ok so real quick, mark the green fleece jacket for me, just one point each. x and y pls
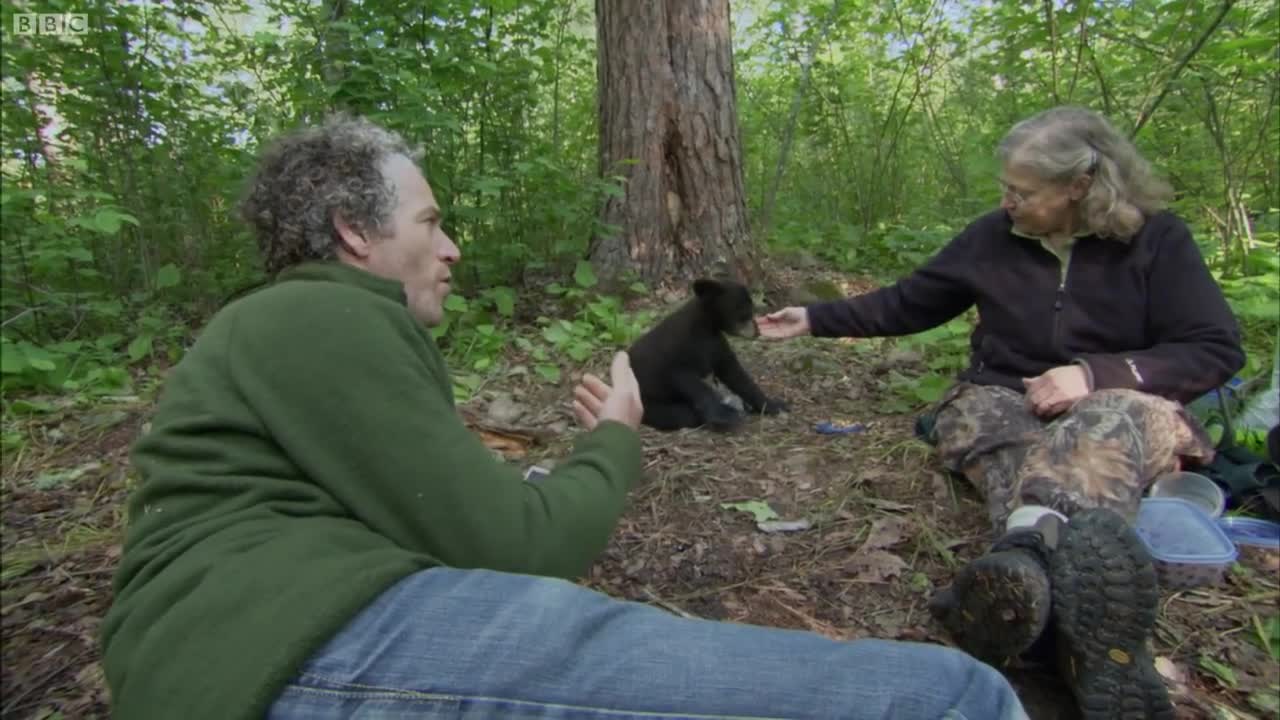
(304, 456)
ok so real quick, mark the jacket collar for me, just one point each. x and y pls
(1082, 233)
(340, 272)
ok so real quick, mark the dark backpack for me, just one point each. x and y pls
(1251, 481)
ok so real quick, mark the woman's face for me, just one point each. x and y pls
(1038, 206)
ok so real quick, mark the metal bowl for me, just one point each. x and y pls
(1194, 488)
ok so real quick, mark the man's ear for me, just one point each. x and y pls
(706, 288)
(350, 241)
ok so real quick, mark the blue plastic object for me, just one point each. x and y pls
(1251, 531)
(830, 428)
(1175, 530)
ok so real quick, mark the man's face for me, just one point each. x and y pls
(417, 252)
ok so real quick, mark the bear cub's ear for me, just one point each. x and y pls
(707, 288)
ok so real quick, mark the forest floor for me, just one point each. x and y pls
(886, 527)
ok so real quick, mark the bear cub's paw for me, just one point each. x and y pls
(723, 418)
(773, 407)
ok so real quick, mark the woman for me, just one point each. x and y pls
(1097, 319)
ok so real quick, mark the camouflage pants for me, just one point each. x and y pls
(1102, 452)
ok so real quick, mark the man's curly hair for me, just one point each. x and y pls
(306, 177)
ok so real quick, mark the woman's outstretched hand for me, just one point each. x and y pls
(786, 323)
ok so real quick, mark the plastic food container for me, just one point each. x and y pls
(1251, 531)
(1193, 488)
(1188, 547)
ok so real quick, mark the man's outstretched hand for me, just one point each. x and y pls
(786, 323)
(1056, 390)
(594, 401)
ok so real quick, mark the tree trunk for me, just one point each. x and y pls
(669, 126)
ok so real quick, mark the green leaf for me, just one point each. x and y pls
(550, 373)
(80, 254)
(108, 221)
(584, 275)
(1224, 673)
(37, 357)
(31, 407)
(894, 405)
(579, 351)
(920, 583)
(168, 276)
(1268, 701)
(759, 509)
(60, 478)
(12, 360)
(504, 299)
(109, 308)
(140, 347)
(931, 387)
(455, 303)
(1268, 635)
(556, 334)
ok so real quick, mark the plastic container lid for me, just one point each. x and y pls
(1177, 531)
(1251, 531)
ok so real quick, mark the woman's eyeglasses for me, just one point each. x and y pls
(1018, 197)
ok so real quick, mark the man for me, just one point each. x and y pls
(317, 535)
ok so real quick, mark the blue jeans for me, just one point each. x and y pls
(445, 643)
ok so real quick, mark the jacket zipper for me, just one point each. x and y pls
(1058, 299)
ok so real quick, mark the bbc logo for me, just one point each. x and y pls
(50, 23)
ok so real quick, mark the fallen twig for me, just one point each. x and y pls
(649, 593)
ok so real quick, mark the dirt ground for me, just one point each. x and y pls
(885, 528)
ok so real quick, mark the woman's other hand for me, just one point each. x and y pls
(785, 323)
(1055, 391)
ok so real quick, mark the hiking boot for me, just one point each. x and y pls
(1105, 600)
(998, 605)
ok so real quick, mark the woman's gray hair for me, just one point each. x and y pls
(1063, 143)
(306, 177)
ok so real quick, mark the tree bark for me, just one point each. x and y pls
(669, 127)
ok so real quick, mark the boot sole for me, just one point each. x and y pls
(1002, 606)
(1105, 602)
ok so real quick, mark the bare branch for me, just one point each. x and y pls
(1145, 114)
(1132, 41)
(1102, 82)
(806, 67)
(1080, 48)
(1051, 21)
(20, 315)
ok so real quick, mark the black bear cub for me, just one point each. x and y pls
(673, 358)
